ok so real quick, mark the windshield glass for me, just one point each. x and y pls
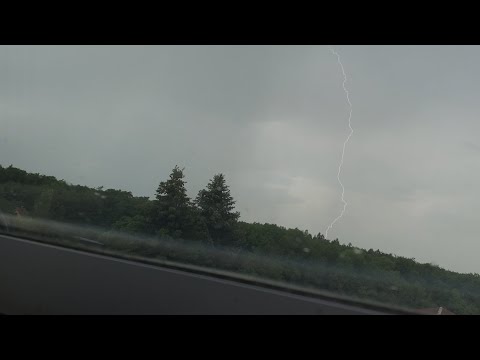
(350, 170)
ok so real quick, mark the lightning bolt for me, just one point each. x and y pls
(344, 144)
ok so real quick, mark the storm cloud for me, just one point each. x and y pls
(272, 119)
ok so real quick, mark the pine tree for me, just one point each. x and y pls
(175, 215)
(217, 209)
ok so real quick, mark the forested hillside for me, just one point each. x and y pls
(209, 221)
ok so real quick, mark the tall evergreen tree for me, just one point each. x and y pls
(217, 209)
(175, 214)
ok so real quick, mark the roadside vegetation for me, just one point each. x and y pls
(207, 232)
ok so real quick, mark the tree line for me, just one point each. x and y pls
(210, 219)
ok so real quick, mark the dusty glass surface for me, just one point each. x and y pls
(345, 169)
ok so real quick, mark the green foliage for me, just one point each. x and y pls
(46, 197)
(131, 224)
(174, 213)
(216, 207)
(172, 221)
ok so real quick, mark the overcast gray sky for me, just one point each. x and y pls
(272, 119)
